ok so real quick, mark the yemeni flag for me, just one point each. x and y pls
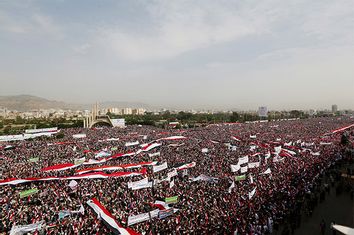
(342, 129)
(119, 167)
(286, 153)
(236, 138)
(160, 204)
(183, 166)
(108, 219)
(150, 146)
(59, 167)
(178, 137)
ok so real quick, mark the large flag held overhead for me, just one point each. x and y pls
(160, 204)
(95, 175)
(119, 167)
(59, 167)
(108, 219)
(150, 146)
(342, 129)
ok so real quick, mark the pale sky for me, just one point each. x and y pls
(185, 54)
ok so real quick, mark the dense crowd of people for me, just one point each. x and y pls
(291, 156)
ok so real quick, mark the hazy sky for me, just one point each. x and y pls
(209, 54)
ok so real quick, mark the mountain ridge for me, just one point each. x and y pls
(30, 102)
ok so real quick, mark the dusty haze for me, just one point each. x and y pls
(183, 54)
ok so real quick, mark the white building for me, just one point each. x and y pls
(127, 111)
(334, 108)
(139, 111)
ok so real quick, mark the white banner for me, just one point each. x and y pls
(78, 136)
(136, 183)
(154, 154)
(22, 229)
(128, 144)
(172, 183)
(118, 122)
(154, 213)
(235, 168)
(251, 194)
(134, 219)
(172, 174)
(141, 186)
(244, 169)
(253, 164)
(243, 160)
(159, 167)
(33, 131)
(277, 149)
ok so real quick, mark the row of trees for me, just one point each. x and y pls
(193, 119)
(19, 125)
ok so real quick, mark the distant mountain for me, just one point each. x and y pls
(29, 102)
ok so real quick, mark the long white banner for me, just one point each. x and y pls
(134, 219)
(159, 167)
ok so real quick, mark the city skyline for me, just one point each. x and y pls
(186, 55)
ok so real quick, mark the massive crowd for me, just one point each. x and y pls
(257, 204)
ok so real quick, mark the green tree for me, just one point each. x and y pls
(234, 117)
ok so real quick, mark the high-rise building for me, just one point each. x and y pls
(334, 108)
(115, 111)
(127, 111)
(139, 111)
